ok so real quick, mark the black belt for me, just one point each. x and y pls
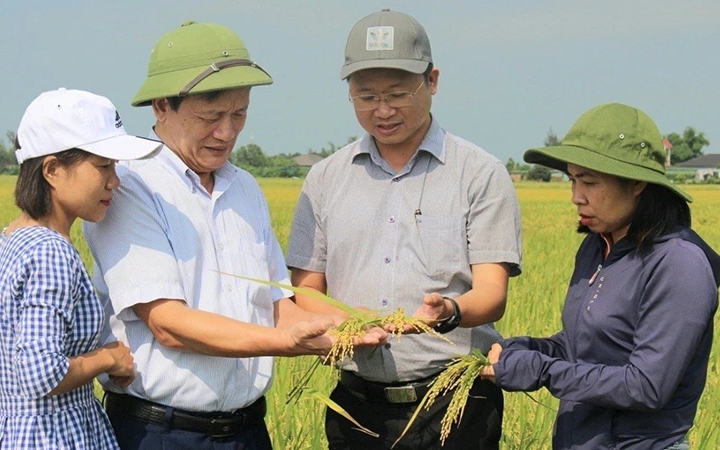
(212, 424)
(407, 392)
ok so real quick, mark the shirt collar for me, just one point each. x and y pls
(432, 143)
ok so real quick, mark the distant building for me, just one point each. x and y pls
(668, 152)
(705, 166)
(307, 160)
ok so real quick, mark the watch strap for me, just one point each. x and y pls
(452, 322)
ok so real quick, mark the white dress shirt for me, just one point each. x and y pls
(165, 236)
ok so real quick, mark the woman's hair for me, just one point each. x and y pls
(658, 211)
(32, 191)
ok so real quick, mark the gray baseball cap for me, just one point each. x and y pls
(387, 39)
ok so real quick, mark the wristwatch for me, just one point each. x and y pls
(452, 322)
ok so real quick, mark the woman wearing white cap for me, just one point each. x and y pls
(50, 318)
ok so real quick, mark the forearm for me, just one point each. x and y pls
(481, 305)
(288, 313)
(553, 346)
(82, 369)
(485, 301)
(176, 326)
(314, 281)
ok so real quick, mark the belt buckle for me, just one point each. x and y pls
(400, 394)
(223, 427)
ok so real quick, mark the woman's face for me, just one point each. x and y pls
(605, 203)
(84, 190)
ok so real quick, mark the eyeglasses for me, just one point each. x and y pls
(398, 99)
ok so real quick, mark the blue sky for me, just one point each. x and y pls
(509, 70)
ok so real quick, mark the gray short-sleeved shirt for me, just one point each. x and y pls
(385, 239)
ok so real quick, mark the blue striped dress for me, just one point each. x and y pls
(48, 313)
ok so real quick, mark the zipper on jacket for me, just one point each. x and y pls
(592, 278)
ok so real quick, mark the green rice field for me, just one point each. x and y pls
(534, 304)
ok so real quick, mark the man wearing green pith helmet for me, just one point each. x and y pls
(202, 341)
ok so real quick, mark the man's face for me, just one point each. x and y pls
(201, 132)
(398, 128)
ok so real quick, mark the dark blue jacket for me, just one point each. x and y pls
(631, 361)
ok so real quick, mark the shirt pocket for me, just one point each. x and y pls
(443, 246)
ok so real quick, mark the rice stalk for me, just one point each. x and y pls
(458, 377)
(345, 333)
(357, 322)
(340, 410)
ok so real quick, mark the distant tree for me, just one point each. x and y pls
(8, 162)
(281, 166)
(510, 165)
(325, 152)
(250, 155)
(251, 158)
(552, 139)
(513, 166)
(11, 137)
(539, 173)
(689, 145)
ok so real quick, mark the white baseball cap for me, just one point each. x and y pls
(66, 118)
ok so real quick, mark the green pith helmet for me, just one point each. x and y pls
(614, 139)
(195, 58)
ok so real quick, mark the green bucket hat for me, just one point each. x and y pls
(195, 58)
(614, 139)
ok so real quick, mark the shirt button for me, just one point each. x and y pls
(391, 219)
(387, 260)
(221, 247)
(229, 288)
(384, 302)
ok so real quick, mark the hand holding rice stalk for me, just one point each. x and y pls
(354, 326)
(458, 378)
(357, 322)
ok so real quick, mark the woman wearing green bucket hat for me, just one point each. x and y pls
(630, 363)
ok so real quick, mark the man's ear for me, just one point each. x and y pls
(160, 107)
(433, 80)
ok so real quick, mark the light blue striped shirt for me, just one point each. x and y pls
(166, 237)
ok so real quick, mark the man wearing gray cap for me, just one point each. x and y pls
(413, 217)
(202, 340)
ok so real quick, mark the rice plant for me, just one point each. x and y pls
(346, 334)
(457, 379)
(549, 245)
